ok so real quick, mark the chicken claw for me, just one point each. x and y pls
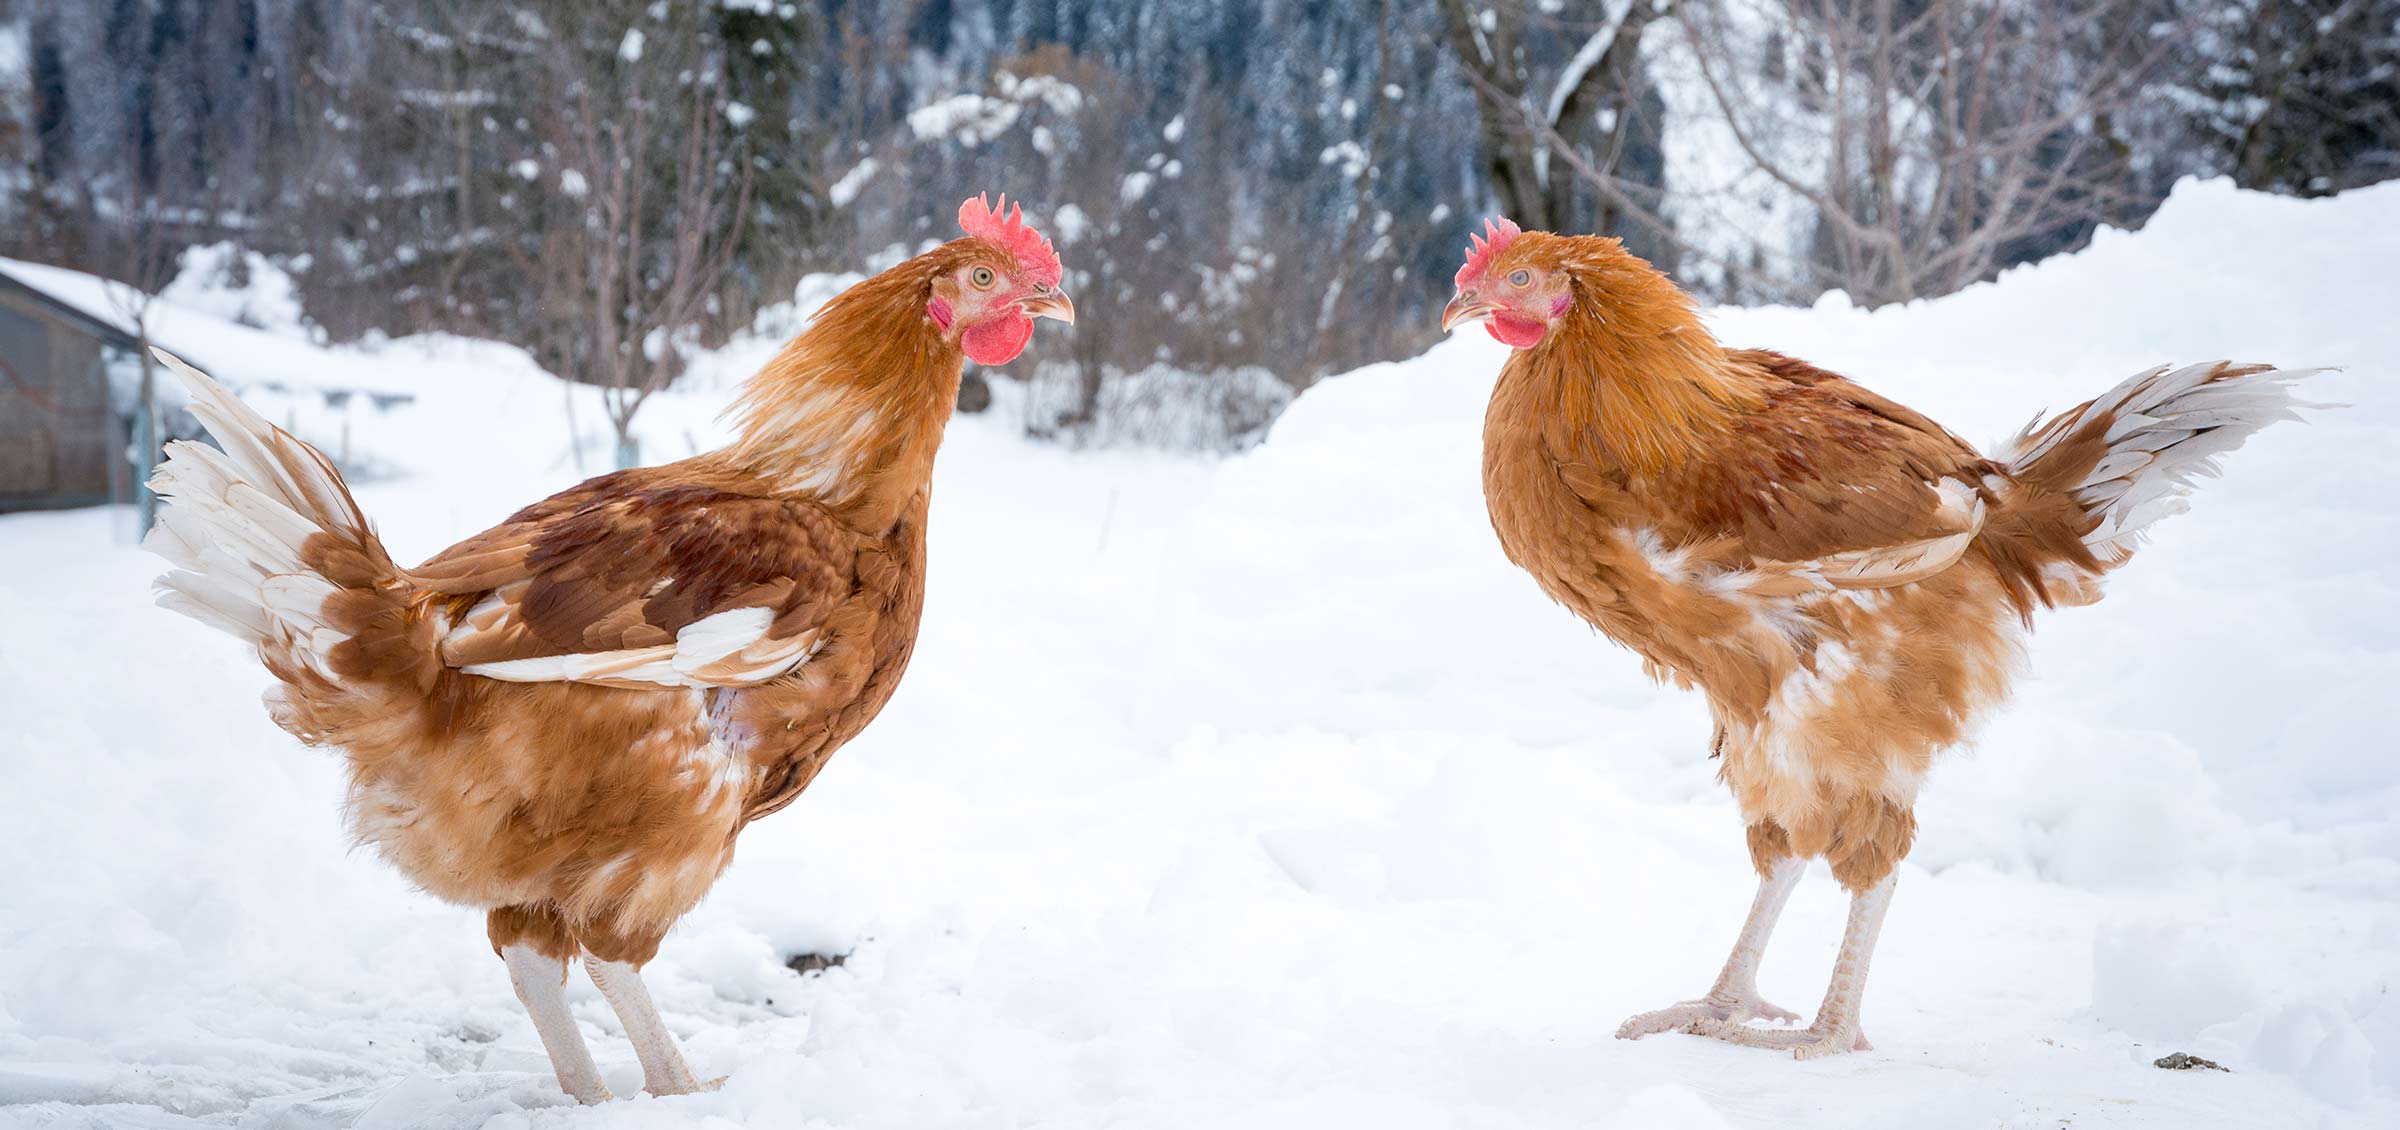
(1805, 1043)
(1711, 1009)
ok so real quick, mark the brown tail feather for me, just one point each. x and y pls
(2090, 481)
(270, 546)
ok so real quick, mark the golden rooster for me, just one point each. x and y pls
(1846, 582)
(568, 718)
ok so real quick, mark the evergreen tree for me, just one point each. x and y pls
(2300, 96)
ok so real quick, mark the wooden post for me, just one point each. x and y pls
(145, 434)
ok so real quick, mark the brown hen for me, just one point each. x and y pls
(568, 719)
(1848, 584)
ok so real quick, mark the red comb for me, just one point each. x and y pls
(1485, 248)
(1034, 256)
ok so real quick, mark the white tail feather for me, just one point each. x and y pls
(2166, 430)
(237, 522)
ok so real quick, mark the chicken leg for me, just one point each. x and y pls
(1836, 1028)
(1735, 997)
(663, 1070)
(541, 983)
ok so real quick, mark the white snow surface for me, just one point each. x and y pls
(1263, 792)
(267, 298)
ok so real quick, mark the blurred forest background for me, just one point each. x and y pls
(1249, 195)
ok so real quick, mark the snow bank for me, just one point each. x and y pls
(1161, 408)
(243, 287)
(1265, 793)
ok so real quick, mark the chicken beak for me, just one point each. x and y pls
(1465, 308)
(1055, 304)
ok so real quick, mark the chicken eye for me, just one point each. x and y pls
(983, 276)
(1519, 277)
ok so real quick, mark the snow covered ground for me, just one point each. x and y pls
(1263, 793)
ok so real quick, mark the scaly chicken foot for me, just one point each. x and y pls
(541, 984)
(664, 1071)
(1804, 1043)
(1735, 996)
(1836, 1028)
(1688, 1016)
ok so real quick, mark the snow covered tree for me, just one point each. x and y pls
(1233, 188)
(1934, 142)
(16, 97)
(124, 96)
(611, 184)
(1570, 129)
(2300, 96)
